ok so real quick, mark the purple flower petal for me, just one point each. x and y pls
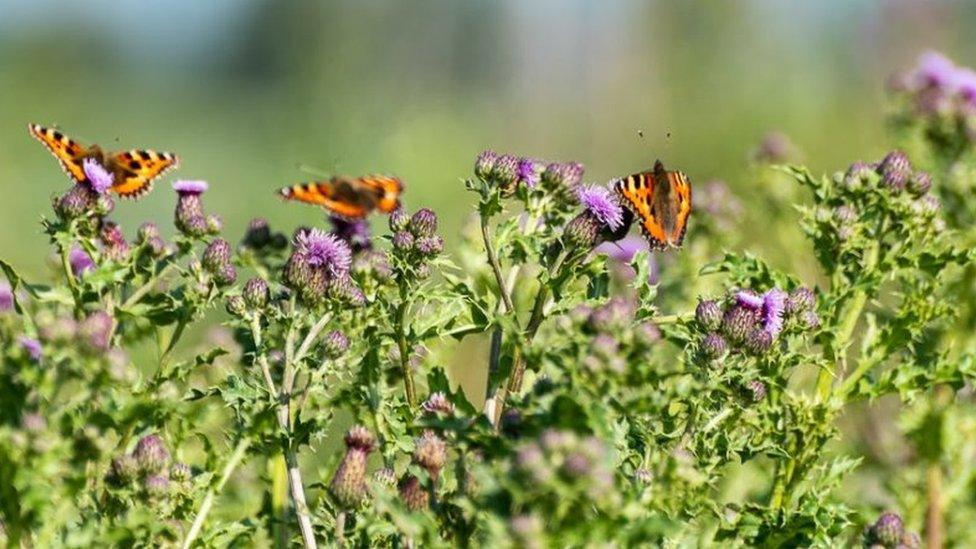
(32, 346)
(600, 202)
(80, 261)
(6, 296)
(934, 70)
(97, 175)
(190, 186)
(624, 250)
(749, 300)
(324, 250)
(965, 85)
(774, 302)
(529, 172)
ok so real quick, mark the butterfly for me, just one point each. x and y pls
(133, 171)
(349, 197)
(661, 200)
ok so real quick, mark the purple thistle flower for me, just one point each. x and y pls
(934, 70)
(529, 172)
(32, 346)
(749, 300)
(355, 233)
(964, 84)
(99, 178)
(624, 250)
(324, 250)
(600, 203)
(80, 261)
(6, 296)
(774, 302)
(190, 186)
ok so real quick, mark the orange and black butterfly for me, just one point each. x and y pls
(661, 201)
(133, 171)
(349, 197)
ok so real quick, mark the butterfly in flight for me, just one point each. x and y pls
(133, 172)
(661, 201)
(349, 197)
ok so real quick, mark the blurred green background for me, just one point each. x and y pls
(246, 91)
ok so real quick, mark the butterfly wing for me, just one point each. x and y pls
(68, 151)
(136, 170)
(637, 192)
(386, 188)
(681, 195)
(341, 196)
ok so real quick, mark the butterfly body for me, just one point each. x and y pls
(133, 171)
(349, 197)
(661, 201)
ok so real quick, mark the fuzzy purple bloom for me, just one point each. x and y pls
(624, 250)
(600, 202)
(324, 250)
(964, 84)
(99, 178)
(749, 300)
(32, 346)
(529, 172)
(190, 186)
(355, 233)
(774, 302)
(80, 261)
(934, 70)
(6, 296)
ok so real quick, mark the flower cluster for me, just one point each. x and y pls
(415, 241)
(940, 92)
(510, 172)
(148, 469)
(318, 269)
(603, 219)
(750, 323)
(562, 460)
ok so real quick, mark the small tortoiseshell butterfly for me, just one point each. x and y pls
(133, 171)
(661, 200)
(349, 197)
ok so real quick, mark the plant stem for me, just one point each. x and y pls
(298, 498)
(148, 286)
(496, 267)
(279, 499)
(340, 529)
(399, 325)
(235, 459)
(310, 337)
(933, 511)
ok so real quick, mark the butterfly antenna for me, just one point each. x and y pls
(312, 170)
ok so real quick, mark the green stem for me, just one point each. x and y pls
(496, 267)
(235, 459)
(399, 321)
(148, 286)
(279, 499)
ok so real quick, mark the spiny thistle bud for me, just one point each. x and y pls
(737, 323)
(216, 255)
(181, 472)
(255, 293)
(399, 220)
(713, 346)
(437, 403)
(756, 390)
(505, 170)
(226, 276)
(484, 164)
(336, 343)
(214, 224)
(888, 529)
(403, 241)
(708, 313)
(78, 200)
(96, 332)
(801, 299)
(430, 452)
(565, 175)
(919, 183)
(759, 341)
(845, 214)
(147, 231)
(258, 233)
(156, 486)
(413, 493)
(344, 289)
(582, 231)
(115, 245)
(611, 317)
(810, 320)
(236, 305)
(430, 245)
(385, 476)
(858, 175)
(151, 454)
(348, 485)
(123, 470)
(423, 223)
(895, 170)
(930, 205)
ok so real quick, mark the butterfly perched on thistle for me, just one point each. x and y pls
(349, 197)
(129, 174)
(661, 201)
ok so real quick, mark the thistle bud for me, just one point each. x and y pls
(756, 390)
(216, 255)
(413, 493)
(214, 224)
(919, 183)
(403, 241)
(147, 231)
(484, 164)
(430, 245)
(236, 305)
(430, 452)
(181, 472)
(123, 470)
(151, 454)
(888, 529)
(255, 293)
(348, 486)
(737, 323)
(95, 332)
(709, 315)
(78, 200)
(858, 175)
(505, 171)
(399, 220)
(582, 231)
(423, 223)
(713, 346)
(258, 233)
(385, 476)
(156, 486)
(759, 341)
(895, 170)
(566, 175)
(336, 343)
(437, 403)
(226, 276)
(800, 299)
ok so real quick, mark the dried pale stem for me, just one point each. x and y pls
(934, 527)
(235, 459)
